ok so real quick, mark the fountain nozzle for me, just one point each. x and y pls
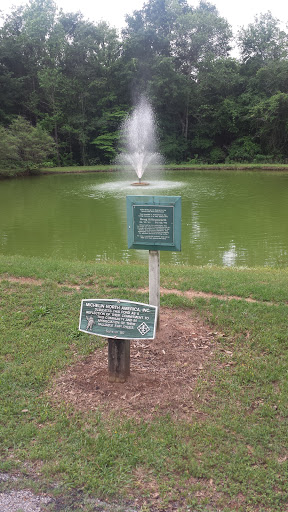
(140, 183)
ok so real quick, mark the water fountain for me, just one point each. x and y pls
(139, 141)
(138, 155)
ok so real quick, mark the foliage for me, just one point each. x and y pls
(23, 147)
(77, 80)
(243, 150)
(106, 144)
(263, 40)
(270, 118)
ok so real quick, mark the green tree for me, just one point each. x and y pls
(269, 119)
(201, 36)
(262, 41)
(107, 141)
(23, 50)
(23, 147)
(169, 43)
(148, 38)
(218, 112)
(9, 158)
(243, 149)
(34, 145)
(270, 79)
(62, 71)
(169, 91)
(89, 64)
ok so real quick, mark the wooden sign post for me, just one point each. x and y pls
(154, 224)
(118, 360)
(119, 321)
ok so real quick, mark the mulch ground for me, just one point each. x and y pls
(163, 372)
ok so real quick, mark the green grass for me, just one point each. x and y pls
(79, 168)
(183, 166)
(234, 458)
(231, 166)
(265, 284)
(14, 173)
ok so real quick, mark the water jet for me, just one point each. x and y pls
(139, 141)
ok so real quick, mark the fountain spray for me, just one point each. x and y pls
(139, 137)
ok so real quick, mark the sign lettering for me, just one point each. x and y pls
(153, 223)
(117, 319)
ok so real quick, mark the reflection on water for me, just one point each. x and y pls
(228, 218)
(229, 257)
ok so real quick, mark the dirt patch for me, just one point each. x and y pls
(192, 294)
(163, 372)
(22, 280)
(37, 282)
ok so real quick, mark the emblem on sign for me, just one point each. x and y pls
(143, 328)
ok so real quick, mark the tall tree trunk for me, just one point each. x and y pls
(83, 138)
(56, 142)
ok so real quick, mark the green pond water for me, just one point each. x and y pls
(228, 218)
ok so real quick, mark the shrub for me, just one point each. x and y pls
(23, 147)
(243, 150)
(217, 156)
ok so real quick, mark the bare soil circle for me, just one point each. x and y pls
(163, 372)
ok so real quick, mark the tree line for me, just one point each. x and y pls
(67, 84)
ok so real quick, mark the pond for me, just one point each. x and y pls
(229, 218)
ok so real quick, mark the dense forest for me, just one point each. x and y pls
(66, 84)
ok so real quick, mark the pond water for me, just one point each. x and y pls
(228, 218)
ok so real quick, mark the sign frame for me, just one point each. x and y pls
(144, 212)
(142, 326)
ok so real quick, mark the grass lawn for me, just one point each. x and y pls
(232, 456)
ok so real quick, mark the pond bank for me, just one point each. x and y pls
(108, 168)
(4, 174)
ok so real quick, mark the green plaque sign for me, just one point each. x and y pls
(154, 222)
(118, 319)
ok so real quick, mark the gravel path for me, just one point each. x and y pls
(22, 501)
(26, 501)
